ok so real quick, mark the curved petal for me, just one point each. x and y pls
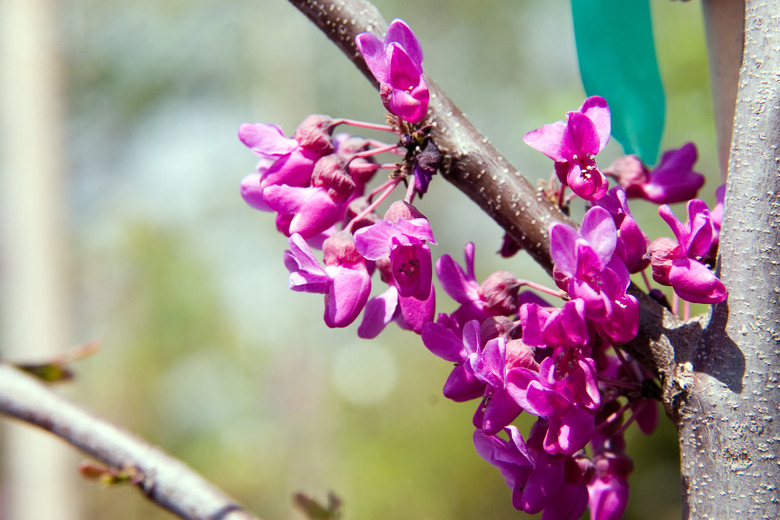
(380, 311)
(399, 32)
(266, 140)
(347, 297)
(694, 282)
(549, 140)
(597, 110)
(373, 51)
(598, 228)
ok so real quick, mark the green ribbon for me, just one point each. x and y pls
(617, 60)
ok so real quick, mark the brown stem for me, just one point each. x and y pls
(166, 481)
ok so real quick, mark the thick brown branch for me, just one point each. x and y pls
(165, 481)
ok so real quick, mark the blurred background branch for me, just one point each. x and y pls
(164, 480)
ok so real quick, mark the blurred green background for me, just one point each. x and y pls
(205, 351)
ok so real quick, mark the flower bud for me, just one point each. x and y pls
(314, 134)
(330, 172)
(500, 293)
(401, 210)
(339, 249)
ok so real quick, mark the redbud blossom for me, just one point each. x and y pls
(396, 63)
(574, 143)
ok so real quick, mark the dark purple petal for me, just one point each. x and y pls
(569, 433)
(544, 484)
(380, 311)
(455, 282)
(545, 402)
(462, 385)
(412, 270)
(501, 410)
(608, 497)
(444, 343)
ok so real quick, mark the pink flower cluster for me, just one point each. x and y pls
(316, 182)
(513, 350)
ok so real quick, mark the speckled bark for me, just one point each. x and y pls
(729, 421)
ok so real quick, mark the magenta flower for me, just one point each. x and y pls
(673, 180)
(574, 143)
(345, 280)
(608, 491)
(567, 400)
(292, 163)
(632, 243)
(401, 241)
(586, 268)
(396, 63)
(492, 365)
(462, 384)
(552, 327)
(539, 480)
(679, 264)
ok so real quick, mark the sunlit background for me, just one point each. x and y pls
(205, 352)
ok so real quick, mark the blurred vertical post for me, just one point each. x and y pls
(725, 25)
(38, 470)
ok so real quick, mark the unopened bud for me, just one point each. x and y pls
(339, 249)
(330, 172)
(500, 293)
(314, 133)
(401, 210)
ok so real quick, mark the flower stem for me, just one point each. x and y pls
(363, 124)
(371, 207)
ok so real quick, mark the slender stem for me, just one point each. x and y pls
(364, 124)
(167, 482)
(376, 151)
(540, 288)
(371, 207)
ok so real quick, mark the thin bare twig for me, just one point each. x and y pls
(164, 480)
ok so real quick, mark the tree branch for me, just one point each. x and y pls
(489, 179)
(164, 480)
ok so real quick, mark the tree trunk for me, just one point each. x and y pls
(728, 416)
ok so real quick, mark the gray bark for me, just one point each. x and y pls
(728, 421)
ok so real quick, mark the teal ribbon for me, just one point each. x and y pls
(616, 53)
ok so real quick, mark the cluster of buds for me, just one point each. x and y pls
(513, 350)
